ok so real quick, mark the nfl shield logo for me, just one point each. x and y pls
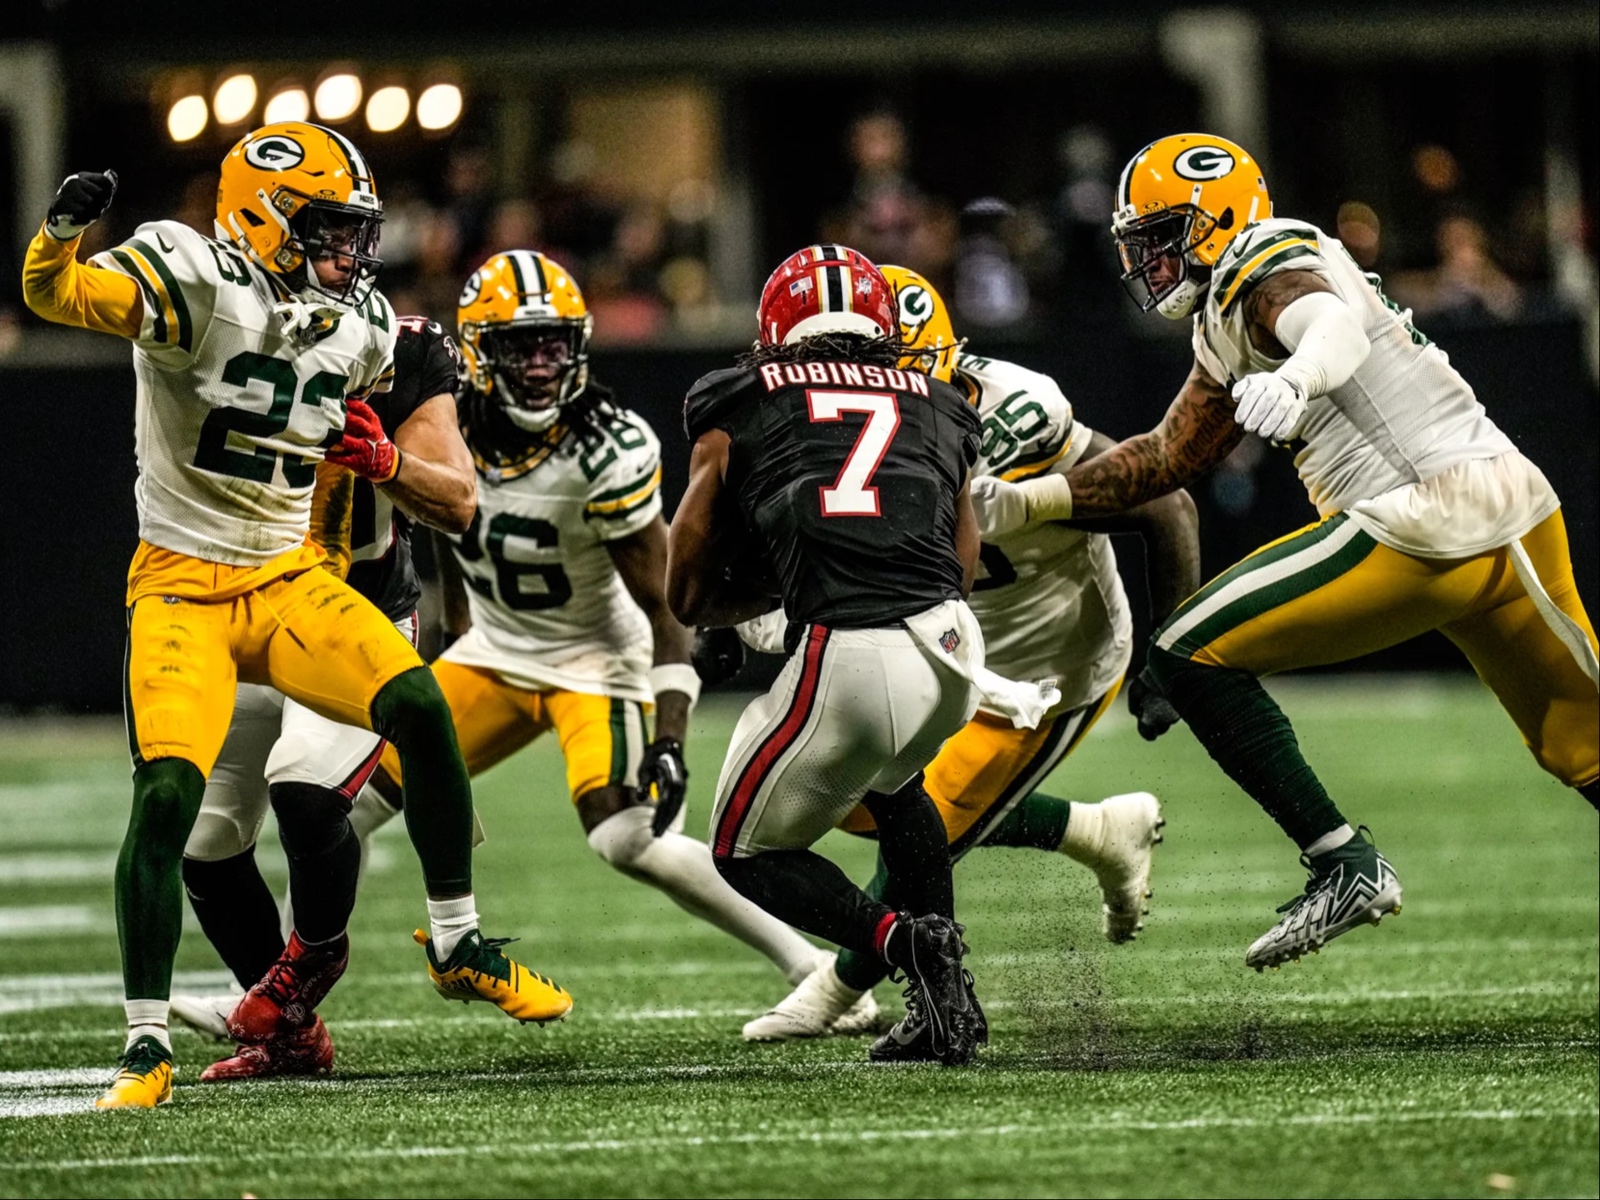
(949, 641)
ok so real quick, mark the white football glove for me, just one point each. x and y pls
(1000, 507)
(1270, 405)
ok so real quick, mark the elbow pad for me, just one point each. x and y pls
(1328, 343)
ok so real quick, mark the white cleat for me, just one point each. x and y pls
(1130, 830)
(816, 1007)
(207, 1014)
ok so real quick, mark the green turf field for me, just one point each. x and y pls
(1451, 1051)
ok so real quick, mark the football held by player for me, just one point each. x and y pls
(247, 350)
(820, 456)
(1430, 517)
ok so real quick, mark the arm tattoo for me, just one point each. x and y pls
(1266, 302)
(1197, 433)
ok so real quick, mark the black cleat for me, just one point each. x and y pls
(943, 1022)
(911, 1038)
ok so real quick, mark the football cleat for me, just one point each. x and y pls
(287, 996)
(1353, 885)
(911, 1038)
(477, 970)
(820, 1006)
(943, 1022)
(306, 1051)
(1130, 831)
(143, 1078)
(207, 1014)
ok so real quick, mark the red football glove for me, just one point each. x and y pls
(365, 448)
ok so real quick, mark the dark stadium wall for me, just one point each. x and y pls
(67, 521)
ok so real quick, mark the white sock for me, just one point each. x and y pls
(1084, 829)
(682, 868)
(147, 1018)
(1330, 841)
(828, 979)
(449, 921)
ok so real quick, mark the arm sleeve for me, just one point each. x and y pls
(625, 494)
(61, 289)
(1327, 341)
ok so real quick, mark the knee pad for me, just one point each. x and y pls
(623, 837)
(410, 707)
(310, 818)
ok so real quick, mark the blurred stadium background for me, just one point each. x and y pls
(671, 156)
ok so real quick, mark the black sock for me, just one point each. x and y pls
(149, 881)
(1250, 738)
(236, 912)
(1039, 822)
(1591, 792)
(412, 714)
(324, 857)
(812, 894)
(863, 972)
(914, 849)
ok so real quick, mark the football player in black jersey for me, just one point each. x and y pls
(307, 768)
(818, 455)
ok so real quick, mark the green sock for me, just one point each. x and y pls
(412, 714)
(863, 972)
(149, 882)
(1039, 822)
(1245, 731)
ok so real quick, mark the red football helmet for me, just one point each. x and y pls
(826, 289)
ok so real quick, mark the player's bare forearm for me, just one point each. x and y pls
(1169, 526)
(1197, 433)
(641, 560)
(699, 591)
(435, 484)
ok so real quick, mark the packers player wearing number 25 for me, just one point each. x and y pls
(564, 568)
(250, 351)
(1431, 519)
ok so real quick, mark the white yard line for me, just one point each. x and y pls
(47, 920)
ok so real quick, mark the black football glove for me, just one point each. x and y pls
(81, 201)
(1154, 711)
(718, 655)
(662, 768)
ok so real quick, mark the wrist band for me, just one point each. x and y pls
(675, 677)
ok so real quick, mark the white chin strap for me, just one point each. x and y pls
(530, 420)
(1179, 302)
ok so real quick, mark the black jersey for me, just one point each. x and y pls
(425, 366)
(847, 476)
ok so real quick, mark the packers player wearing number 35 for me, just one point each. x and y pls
(1431, 519)
(250, 351)
(564, 568)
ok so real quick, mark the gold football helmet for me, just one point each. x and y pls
(1180, 202)
(294, 192)
(925, 328)
(524, 331)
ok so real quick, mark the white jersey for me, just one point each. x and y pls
(232, 415)
(549, 609)
(1048, 598)
(1405, 417)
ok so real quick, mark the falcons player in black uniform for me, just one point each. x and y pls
(819, 456)
(308, 769)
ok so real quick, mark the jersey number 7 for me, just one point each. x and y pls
(852, 493)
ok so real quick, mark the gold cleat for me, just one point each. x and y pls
(478, 970)
(143, 1080)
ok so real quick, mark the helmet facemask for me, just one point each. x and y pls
(1159, 268)
(536, 368)
(343, 234)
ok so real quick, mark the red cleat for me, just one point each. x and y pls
(287, 997)
(307, 1051)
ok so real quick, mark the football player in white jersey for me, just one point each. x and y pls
(564, 568)
(253, 354)
(1051, 604)
(1430, 517)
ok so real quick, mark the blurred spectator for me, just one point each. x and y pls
(624, 289)
(1083, 211)
(1361, 232)
(879, 151)
(990, 289)
(514, 225)
(1466, 283)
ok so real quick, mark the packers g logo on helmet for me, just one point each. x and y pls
(275, 153)
(925, 329)
(1180, 202)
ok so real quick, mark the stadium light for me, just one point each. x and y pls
(439, 107)
(338, 96)
(387, 109)
(290, 104)
(187, 118)
(234, 100)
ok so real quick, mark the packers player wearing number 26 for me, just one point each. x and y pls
(1431, 519)
(564, 567)
(249, 352)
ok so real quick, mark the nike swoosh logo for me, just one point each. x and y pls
(162, 242)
